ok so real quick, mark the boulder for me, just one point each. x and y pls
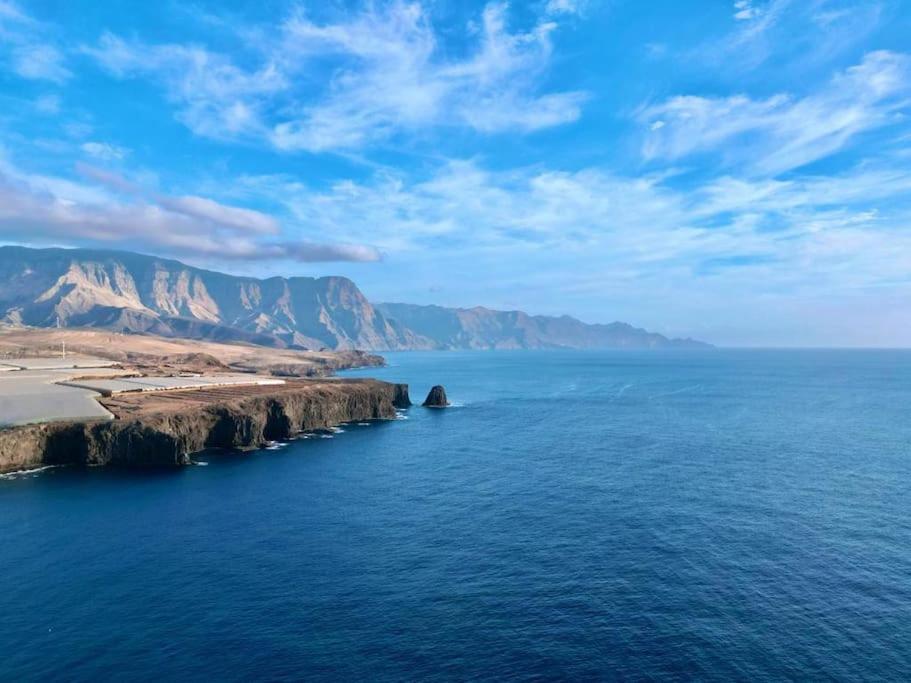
(436, 398)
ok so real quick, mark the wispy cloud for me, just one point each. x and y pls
(760, 17)
(207, 210)
(116, 212)
(780, 133)
(785, 175)
(801, 234)
(216, 98)
(48, 104)
(744, 10)
(629, 245)
(104, 150)
(30, 46)
(806, 32)
(13, 20)
(40, 62)
(557, 7)
(388, 75)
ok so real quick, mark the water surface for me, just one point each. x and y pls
(713, 515)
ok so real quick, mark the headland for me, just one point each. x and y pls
(157, 407)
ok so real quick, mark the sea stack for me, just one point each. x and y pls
(436, 398)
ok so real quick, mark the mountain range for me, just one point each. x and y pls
(135, 293)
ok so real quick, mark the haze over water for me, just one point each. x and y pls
(715, 515)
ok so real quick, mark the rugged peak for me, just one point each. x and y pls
(137, 293)
(81, 287)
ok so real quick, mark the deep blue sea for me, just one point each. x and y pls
(719, 515)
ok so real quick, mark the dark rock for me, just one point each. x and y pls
(401, 398)
(169, 438)
(436, 398)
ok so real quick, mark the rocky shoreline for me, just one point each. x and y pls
(169, 431)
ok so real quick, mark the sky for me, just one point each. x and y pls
(738, 172)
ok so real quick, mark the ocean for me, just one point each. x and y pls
(701, 515)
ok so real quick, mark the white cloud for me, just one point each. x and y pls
(656, 51)
(40, 62)
(243, 220)
(781, 132)
(761, 234)
(395, 80)
(216, 98)
(797, 33)
(563, 6)
(109, 179)
(78, 129)
(601, 244)
(30, 46)
(104, 151)
(745, 10)
(385, 72)
(9, 10)
(48, 104)
(12, 20)
(38, 208)
(758, 20)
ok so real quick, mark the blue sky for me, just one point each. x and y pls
(734, 171)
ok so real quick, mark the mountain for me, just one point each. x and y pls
(130, 292)
(483, 328)
(136, 293)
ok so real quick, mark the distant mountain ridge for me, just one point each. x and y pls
(130, 292)
(484, 328)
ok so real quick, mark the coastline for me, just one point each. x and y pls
(165, 430)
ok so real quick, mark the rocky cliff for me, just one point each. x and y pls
(129, 292)
(168, 437)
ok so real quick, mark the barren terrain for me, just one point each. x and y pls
(151, 353)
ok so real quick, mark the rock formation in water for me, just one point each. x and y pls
(170, 437)
(436, 398)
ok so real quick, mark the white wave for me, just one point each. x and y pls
(25, 473)
(327, 436)
(677, 391)
(623, 390)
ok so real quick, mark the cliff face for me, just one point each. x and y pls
(483, 328)
(136, 293)
(129, 292)
(168, 438)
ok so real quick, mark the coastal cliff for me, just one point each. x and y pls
(124, 292)
(168, 432)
